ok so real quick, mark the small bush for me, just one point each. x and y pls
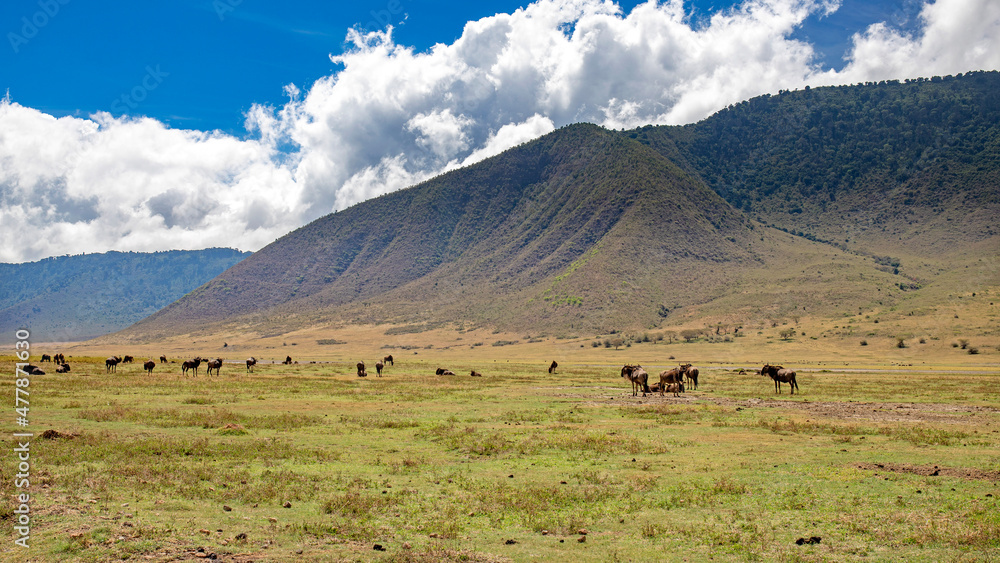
(973, 350)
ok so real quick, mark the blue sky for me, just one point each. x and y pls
(218, 57)
(189, 124)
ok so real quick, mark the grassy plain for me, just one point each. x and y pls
(517, 465)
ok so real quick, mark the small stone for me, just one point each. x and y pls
(545, 532)
(406, 545)
(510, 542)
(582, 539)
(434, 535)
(204, 531)
(227, 508)
(272, 519)
(582, 532)
(378, 547)
(287, 504)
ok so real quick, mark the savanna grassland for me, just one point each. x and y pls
(886, 454)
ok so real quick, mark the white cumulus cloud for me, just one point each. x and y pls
(391, 116)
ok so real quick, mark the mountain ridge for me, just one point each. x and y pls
(588, 228)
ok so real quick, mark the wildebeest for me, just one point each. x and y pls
(691, 373)
(36, 371)
(668, 376)
(191, 365)
(388, 360)
(442, 371)
(780, 375)
(163, 359)
(361, 370)
(552, 368)
(674, 388)
(251, 362)
(288, 360)
(45, 358)
(475, 374)
(111, 364)
(59, 358)
(148, 366)
(215, 364)
(378, 368)
(638, 377)
(127, 360)
(63, 368)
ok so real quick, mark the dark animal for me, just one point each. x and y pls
(163, 359)
(215, 364)
(36, 371)
(780, 375)
(29, 368)
(442, 371)
(378, 368)
(111, 364)
(59, 358)
(669, 376)
(148, 366)
(638, 377)
(388, 360)
(552, 368)
(63, 368)
(288, 360)
(251, 362)
(192, 365)
(128, 360)
(361, 370)
(691, 373)
(45, 358)
(475, 374)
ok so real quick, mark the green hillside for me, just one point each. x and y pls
(78, 297)
(891, 167)
(824, 202)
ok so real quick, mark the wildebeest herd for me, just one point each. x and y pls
(674, 380)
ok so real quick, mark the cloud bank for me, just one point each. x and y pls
(391, 117)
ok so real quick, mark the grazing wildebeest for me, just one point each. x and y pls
(669, 376)
(378, 368)
(148, 366)
(251, 362)
(63, 368)
(552, 368)
(475, 374)
(638, 377)
(215, 364)
(691, 373)
(288, 360)
(388, 360)
(361, 370)
(163, 359)
(111, 364)
(128, 360)
(45, 358)
(59, 358)
(780, 375)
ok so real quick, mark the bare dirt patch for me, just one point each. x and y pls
(932, 471)
(872, 412)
